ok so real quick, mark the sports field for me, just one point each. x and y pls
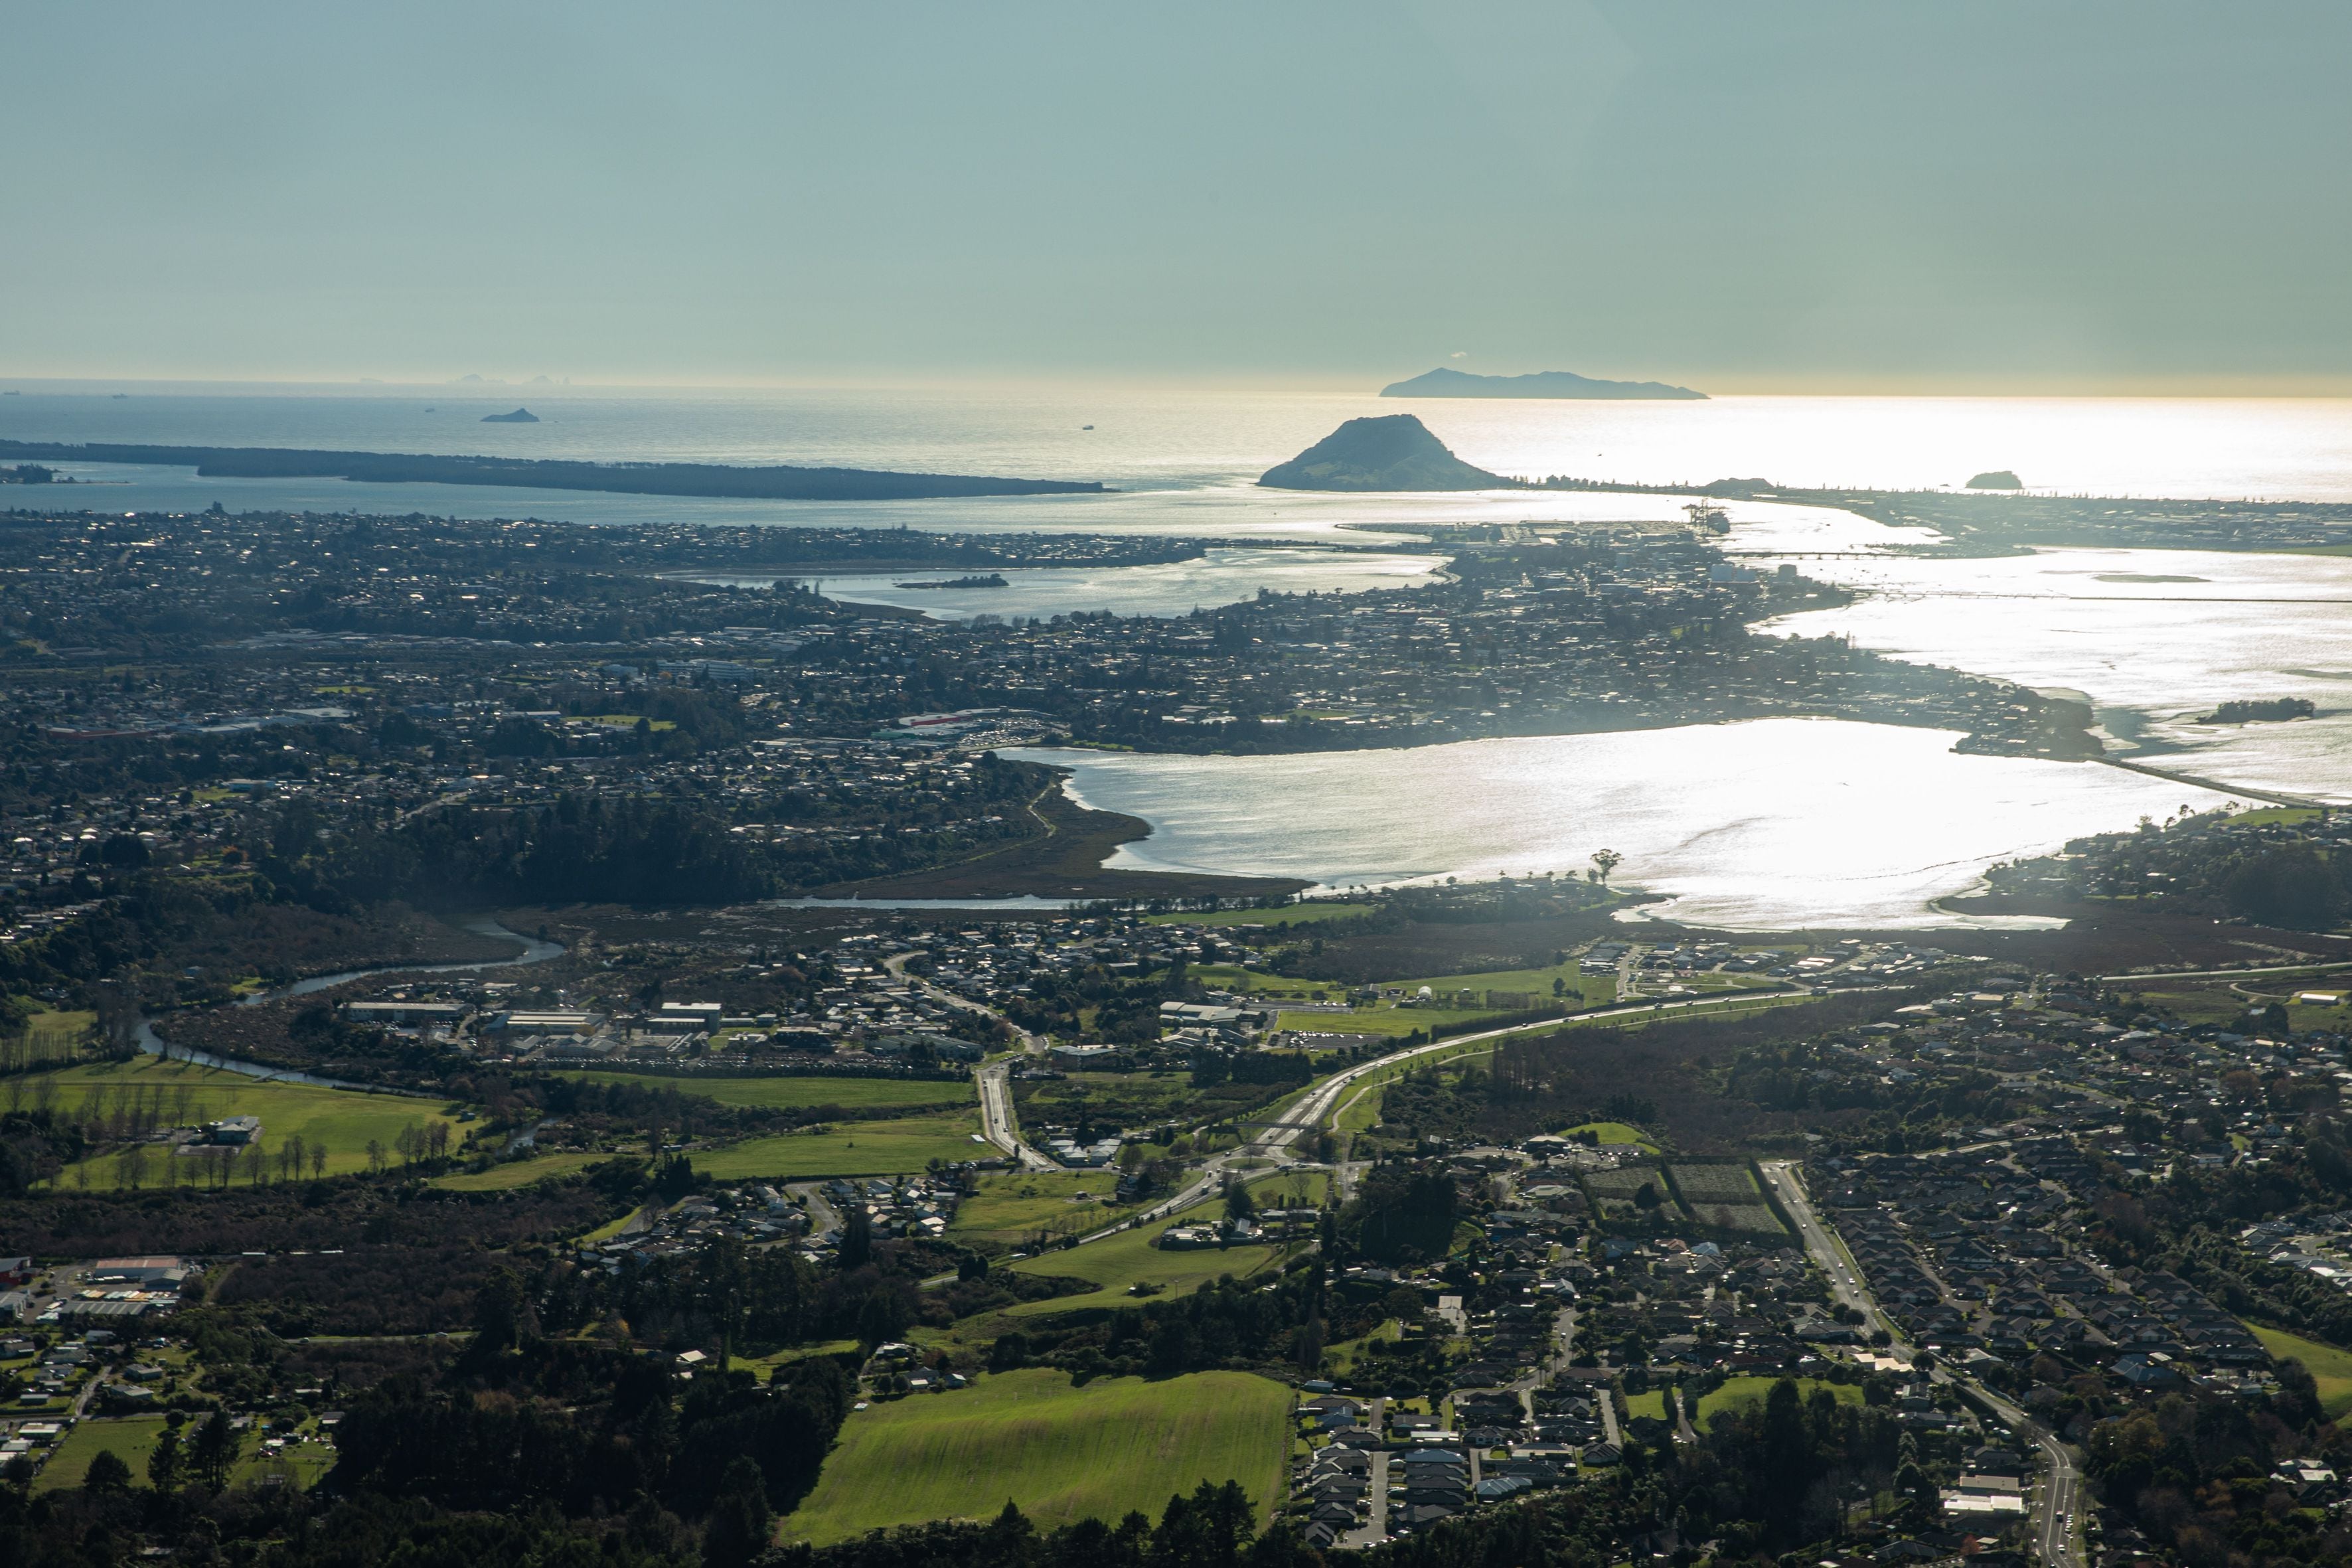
(798, 1092)
(892, 1148)
(1061, 1453)
(178, 1095)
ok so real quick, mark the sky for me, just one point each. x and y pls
(2104, 195)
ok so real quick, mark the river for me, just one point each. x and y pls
(534, 951)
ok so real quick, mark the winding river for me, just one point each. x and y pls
(534, 951)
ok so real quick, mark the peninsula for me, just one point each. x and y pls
(1554, 384)
(1383, 452)
(767, 483)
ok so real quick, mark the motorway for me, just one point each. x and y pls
(2058, 1500)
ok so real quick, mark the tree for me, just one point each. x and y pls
(1605, 863)
(166, 1463)
(856, 1238)
(738, 1529)
(106, 1472)
(215, 1449)
(1239, 1205)
(375, 1156)
(318, 1159)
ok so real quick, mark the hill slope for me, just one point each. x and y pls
(1386, 452)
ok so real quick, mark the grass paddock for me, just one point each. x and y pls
(1061, 1453)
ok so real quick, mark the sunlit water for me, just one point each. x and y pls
(1779, 824)
(2155, 638)
(1218, 577)
(1754, 825)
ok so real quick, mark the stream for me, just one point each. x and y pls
(534, 951)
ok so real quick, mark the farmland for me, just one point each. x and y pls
(1725, 1195)
(176, 1094)
(799, 1091)
(888, 1148)
(1061, 1453)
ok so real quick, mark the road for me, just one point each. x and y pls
(822, 1217)
(996, 1119)
(1845, 1279)
(897, 964)
(2059, 1494)
(2226, 974)
(1278, 1138)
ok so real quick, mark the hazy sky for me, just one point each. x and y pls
(1802, 195)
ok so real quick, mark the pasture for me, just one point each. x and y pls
(153, 1093)
(798, 1091)
(1061, 1453)
(890, 1147)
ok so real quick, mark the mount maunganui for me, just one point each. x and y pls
(1441, 383)
(1385, 452)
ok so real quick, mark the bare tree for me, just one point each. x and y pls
(375, 1156)
(318, 1159)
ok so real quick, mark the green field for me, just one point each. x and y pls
(850, 1149)
(1611, 1132)
(1290, 1190)
(1118, 1262)
(1397, 1021)
(1016, 1204)
(795, 1092)
(1061, 1453)
(1583, 990)
(513, 1174)
(1739, 1391)
(2330, 1368)
(183, 1095)
(132, 1438)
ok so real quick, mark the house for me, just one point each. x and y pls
(233, 1130)
(15, 1270)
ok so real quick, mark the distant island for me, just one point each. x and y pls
(983, 580)
(1441, 383)
(623, 478)
(2272, 710)
(1383, 452)
(519, 416)
(1998, 479)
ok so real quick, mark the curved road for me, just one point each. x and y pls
(1276, 1139)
